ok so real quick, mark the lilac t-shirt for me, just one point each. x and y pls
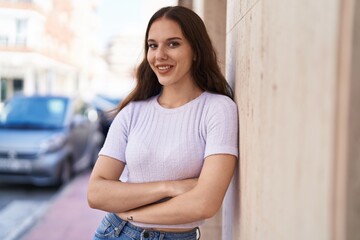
(159, 144)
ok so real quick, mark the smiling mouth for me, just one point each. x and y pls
(164, 68)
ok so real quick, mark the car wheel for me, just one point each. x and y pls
(66, 172)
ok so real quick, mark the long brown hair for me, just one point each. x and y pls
(205, 69)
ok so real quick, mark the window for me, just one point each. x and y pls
(18, 85)
(4, 40)
(3, 90)
(21, 32)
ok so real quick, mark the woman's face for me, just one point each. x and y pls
(170, 54)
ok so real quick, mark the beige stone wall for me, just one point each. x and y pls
(353, 128)
(213, 14)
(285, 75)
(287, 63)
(294, 66)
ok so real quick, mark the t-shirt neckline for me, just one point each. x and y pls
(176, 109)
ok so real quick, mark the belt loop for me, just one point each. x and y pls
(198, 233)
(162, 235)
(119, 228)
(142, 235)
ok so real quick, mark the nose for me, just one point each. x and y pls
(161, 53)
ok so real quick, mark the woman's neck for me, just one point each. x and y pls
(172, 98)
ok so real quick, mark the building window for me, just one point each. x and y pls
(4, 40)
(21, 32)
(18, 85)
(3, 90)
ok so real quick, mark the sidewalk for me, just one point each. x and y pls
(69, 217)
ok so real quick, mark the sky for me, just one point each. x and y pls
(127, 16)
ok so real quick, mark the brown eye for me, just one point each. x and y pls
(174, 44)
(152, 45)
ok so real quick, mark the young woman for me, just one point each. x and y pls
(176, 134)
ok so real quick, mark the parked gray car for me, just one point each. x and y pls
(44, 140)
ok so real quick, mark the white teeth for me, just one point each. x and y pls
(164, 68)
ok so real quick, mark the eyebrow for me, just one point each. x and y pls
(169, 39)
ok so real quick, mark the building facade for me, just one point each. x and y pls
(42, 47)
(294, 68)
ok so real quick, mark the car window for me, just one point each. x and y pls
(34, 113)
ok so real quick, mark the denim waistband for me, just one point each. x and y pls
(141, 233)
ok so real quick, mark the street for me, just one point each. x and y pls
(21, 206)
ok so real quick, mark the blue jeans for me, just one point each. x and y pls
(115, 228)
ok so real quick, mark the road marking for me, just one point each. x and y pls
(18, 216)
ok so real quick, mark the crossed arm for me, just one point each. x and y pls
(191, 199)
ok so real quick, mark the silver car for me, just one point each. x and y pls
(45, 140)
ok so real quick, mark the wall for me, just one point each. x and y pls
(283, 58)
(352, 158)
(213, 14)
(294, 66)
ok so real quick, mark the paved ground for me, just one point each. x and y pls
(70, 218)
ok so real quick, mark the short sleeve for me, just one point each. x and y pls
(222, 128)
(117, 136)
